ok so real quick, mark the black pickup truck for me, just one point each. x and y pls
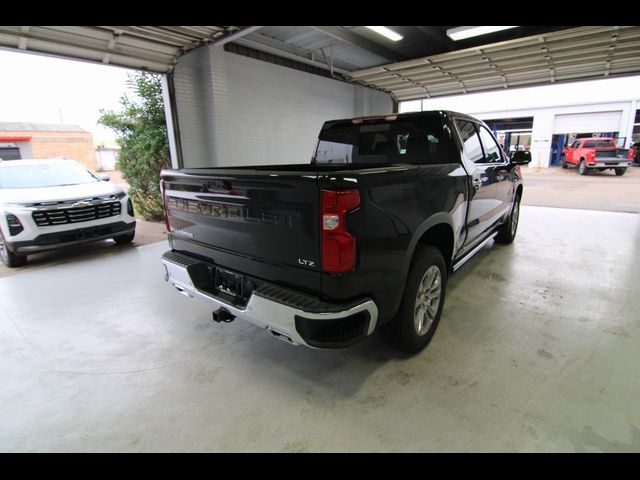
(364, 237)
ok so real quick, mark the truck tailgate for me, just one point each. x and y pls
(256, 222)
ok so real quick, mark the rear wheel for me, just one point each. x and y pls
(422, 303)
(9, 258)
(620, 171)
(122, 239)
(582, 168)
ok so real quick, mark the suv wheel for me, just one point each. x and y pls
(9, 258)
(122, 239)
(422, 303)
(620, 171)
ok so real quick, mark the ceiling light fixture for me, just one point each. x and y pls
(385, 32)
(459, 33)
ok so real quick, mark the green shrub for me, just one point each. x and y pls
(142, 135)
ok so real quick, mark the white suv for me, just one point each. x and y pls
(47, 204)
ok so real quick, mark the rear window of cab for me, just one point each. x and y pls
(599, 143)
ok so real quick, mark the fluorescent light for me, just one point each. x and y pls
(459, 33)
(385, 32)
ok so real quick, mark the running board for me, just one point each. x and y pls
(464, 259)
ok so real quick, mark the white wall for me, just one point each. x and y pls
(106, 159)
(544, 103)
(576, 93)
(193, 87)
(235, 110)
(25, 149)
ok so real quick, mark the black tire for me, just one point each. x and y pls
(409, 331)
(507, 232)
(122, 239)
(620, 171)
(563, 162)
(10, 259)
(582, 168)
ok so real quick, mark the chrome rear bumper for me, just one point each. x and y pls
(610, 164)
(275, 309)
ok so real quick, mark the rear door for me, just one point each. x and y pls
(494, 156)
(573, 152)
(259, 222)
(484, 205)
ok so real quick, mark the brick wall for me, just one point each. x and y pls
(74, 145)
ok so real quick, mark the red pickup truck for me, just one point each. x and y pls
(598, 153)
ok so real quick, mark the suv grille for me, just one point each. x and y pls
(61, 216)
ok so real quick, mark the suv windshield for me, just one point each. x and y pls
(415, 140)
(44, 175)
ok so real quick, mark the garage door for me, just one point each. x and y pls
(588, 122)
(10, 153)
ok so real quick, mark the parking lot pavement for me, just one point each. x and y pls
(557, 187)
(146, 232)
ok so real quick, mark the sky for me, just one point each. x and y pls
(36, 88)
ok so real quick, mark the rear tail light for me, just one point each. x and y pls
(338, 246)
(15, 227)
(165, 212)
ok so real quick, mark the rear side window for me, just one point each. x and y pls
(470, 140)
(406, 140)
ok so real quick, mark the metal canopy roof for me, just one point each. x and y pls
(575, 54)
(426, 63)
(155, 49)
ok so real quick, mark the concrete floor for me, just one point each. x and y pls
(538, 350)
(558, 187)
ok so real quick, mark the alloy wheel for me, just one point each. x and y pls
(427, 300)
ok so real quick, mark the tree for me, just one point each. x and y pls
(142, 135)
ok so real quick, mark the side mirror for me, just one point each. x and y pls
(521, 157)
(104, 178)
